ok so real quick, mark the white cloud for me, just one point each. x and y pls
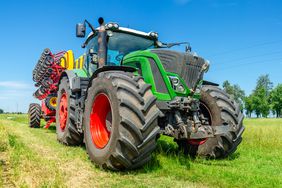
(16, 100)
(14, 84)
(16, 95)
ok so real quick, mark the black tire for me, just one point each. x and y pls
(221, 109)
(34, 114)
(69, 134)
(49, 101)
(134, 130)
(43, 63)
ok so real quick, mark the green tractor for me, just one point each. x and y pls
(132, 89)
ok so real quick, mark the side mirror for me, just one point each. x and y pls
(80, 30)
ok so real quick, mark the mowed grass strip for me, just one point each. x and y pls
(34, 158)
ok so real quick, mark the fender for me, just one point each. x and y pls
(74, 76)
(205, 82)
(111, 68)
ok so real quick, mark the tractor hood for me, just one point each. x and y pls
(187, 65)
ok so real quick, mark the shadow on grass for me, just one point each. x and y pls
(51, 129)
(164, 149)
(177, 156)
(168, 148)
(217, 162)
(233, 156)
(170, 151)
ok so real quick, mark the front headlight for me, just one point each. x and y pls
(176, 84)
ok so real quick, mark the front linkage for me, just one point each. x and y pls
(186, 121)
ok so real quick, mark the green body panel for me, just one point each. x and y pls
(144, 65)
(80, 72)
(147, 74)
(141, 61)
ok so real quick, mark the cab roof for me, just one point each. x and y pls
(126, 30)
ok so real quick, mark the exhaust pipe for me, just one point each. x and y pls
(102, 44)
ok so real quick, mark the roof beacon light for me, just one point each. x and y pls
(154, 34)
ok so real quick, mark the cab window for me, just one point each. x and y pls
(92, 44)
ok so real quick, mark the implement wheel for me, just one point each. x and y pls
(51, 102)
(34, 115)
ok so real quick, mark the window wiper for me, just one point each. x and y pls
(169, 45)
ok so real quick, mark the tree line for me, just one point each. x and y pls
(3, 112)
(263, 100)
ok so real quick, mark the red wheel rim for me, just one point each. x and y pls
(101, 121)
(197, 141)
(63, 111)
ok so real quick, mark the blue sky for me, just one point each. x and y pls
(241, 38)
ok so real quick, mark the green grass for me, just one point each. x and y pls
(33, 158)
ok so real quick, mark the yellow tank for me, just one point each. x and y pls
(68, 61)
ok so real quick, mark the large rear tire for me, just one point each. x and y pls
(34, 114)
(220, 109)
(67, 132)
(120, 120)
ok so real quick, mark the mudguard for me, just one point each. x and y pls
(74, 76)
(112, 68)
(205, 82)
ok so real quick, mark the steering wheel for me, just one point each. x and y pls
(119, 57)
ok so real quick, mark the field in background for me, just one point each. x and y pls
(33, 158)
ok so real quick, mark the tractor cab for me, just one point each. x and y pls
(116, 42)
(130, 91)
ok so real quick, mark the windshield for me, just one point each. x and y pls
(120, 44)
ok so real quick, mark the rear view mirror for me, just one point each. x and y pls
(80, 30)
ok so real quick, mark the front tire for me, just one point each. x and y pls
(220, 109)
(120, 121)
(67, 132)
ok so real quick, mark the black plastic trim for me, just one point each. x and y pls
(205, 82)
(113, 68)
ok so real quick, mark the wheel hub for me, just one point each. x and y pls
(63, 114)
(53, 101)
(101, 121)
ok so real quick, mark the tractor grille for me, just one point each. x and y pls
(187, 66)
